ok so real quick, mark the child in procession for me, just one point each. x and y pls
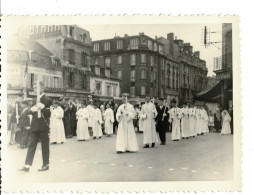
(82, 124)
(109, 120)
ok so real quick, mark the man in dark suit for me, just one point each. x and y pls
(73, 117)
(39, 129)
(161, 120)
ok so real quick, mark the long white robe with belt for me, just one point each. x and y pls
(149, 113)
(82, 124)
(109, 120)
(192, 118)
(57, 133)
(199, 121)
(126, 136)
(97, 121)
(185, 122)
(91, 110)
(205, 116)
(175, 116)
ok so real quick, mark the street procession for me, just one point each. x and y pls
(92, 108)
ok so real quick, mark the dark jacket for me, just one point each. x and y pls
(41, 124)
(160, 112)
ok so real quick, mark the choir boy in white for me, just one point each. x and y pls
(82, 124)
(175, 115)
(90, 109)
(57, 133)
(97, 122)
(148, 115)
(109, 120)
(126, 140)
(185, 121)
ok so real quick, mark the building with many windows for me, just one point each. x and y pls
(189, 74)
(137, 61)
(28, 61)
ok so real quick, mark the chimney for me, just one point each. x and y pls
(197, 54)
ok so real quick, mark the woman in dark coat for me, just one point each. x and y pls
(217, 120)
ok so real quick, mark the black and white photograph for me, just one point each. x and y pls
(121, 102)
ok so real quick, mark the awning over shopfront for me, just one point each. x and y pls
(212, 94)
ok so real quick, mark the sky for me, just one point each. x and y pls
(189, 33)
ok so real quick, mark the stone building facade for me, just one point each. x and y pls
(138, 61)
(29, 61)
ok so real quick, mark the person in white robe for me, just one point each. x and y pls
(205, 116)
(185, 122)
(198, 120)
(192, 116)
(141, 122)
(226, 130)
(126, 140)
(175, 114)
(90, 109)
(82, 124)
(109, 120)
(97, 121)
(149, 114)
(57, 133)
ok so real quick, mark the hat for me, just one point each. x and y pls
(57, 102)
(161, 99)
(173, 101)
(24, 102)
(125, 95)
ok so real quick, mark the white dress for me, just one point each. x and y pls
(205, 115)
(185, 122)
(90, 116)
(226, 130)
(149, 113)
(198, 121)
(140, 121)
(57, 133)
(192, 122)
(175, 116)
(109, 120)
(126, 136)
(82, 124)
(97, 121)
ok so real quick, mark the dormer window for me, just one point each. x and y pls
(84, 37)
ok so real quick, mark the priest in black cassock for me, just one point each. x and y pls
(161, 120)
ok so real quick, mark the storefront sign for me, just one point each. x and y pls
(48, 94)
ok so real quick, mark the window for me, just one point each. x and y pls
(97, 70)
(71, 56)
(134, 42)
(150, 44)
(55, 85)
(108, 90)
(84, 37)
(71, 79)
(143, 58)
(143, 74)
(96, 46)
(84, 60)
(96, 62)
(71, 31)
(132, 91)
(119, 74)
(133, 59)
(31, 30)
(155, 76)
(32, 79)
(119, 44)
(43, 29)
(98, 88)
(56, 62)
(152, 60)
(132, 75)
(83, 81)
(49, 28)
(160, 48)
(107, 73)
(151, 75)
(107, 62)
(57, 27)
(107, 46)
(143, 90)
(119, 59)
(114, 90)
(155, 46)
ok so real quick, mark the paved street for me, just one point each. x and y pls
(208, 157)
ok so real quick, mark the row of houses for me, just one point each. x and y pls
(72, 65)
